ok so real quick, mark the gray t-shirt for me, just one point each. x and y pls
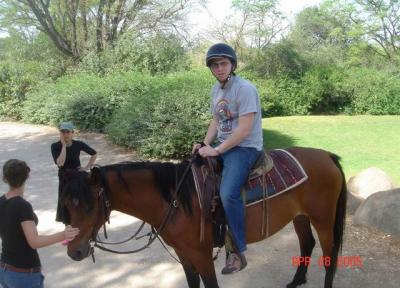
(239, 97)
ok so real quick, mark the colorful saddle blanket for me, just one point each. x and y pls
(287, 173)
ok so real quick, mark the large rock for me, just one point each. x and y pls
(353, 202)
(381, 211)
(369, 181)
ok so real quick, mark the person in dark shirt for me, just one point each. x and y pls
(20, 264)
(66, 154)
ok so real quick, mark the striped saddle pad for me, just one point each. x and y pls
(285, 174)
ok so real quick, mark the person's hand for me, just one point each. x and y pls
(62, 140)
(207, 151)
(196, 147)
(70, 233)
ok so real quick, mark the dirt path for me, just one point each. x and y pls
(270, 261)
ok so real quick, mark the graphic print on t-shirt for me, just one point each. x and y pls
(224, 115)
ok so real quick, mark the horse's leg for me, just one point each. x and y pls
(192, 276)
(325, 235)
(207, 271)
(307, 242)
(201, 263)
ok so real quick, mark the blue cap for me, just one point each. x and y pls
(67, 126)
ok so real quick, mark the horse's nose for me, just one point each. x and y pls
(77, 255)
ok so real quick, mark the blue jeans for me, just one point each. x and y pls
(237, 163)
(10, 279)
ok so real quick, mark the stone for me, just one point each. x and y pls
(381, 211)
(353, 202)
(369, 181)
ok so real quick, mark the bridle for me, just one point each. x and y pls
(104, 211)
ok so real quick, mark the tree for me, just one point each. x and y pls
(78, 26)
(280, 58)
(255, 24)
(321, 36)
(377, 21)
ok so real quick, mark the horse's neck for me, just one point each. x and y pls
(145, 203)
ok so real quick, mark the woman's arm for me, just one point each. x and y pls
(91, 162)
(63, 154)
(38, 241)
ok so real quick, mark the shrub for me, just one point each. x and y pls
(374, 92)
(15, 82)
(88, 100)
(155, 54)
(166, 119)
(322, 87)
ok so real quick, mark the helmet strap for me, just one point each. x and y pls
(223, 83)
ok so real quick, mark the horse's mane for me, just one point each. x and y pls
(167, 175)
(76, 186)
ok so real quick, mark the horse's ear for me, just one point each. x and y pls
(95, 175)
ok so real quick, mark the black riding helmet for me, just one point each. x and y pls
(221, 50)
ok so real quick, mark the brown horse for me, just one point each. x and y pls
(147, 190)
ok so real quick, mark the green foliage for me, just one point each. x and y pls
(331, 90)
(280, 58)
(284, 98)
(166, 119)
(159, 116)
(374, 91)
(159, 54)
(38, 52)
(87, 100)
(322, 88)
(322, 36)
(15, 82)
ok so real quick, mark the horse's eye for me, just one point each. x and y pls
(75, 201)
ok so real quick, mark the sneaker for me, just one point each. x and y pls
(234, 263)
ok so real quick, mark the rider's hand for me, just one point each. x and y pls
(207, 151)
(196, 147)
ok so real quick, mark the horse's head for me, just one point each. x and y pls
(84, 200)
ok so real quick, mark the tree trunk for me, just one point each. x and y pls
(99, 26)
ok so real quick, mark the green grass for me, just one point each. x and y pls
(361, 141)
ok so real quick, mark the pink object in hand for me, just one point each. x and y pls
(65, 242)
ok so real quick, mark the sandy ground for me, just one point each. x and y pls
(270, 262)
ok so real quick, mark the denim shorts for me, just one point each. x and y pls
(10, 279)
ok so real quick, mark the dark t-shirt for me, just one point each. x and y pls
(72, 160)
(15, 248)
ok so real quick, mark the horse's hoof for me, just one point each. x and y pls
(296, 283)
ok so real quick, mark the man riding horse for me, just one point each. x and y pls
(236, 127)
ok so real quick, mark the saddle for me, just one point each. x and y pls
(273, 174)
(207, 177)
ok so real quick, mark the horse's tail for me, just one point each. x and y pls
(340, 219)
